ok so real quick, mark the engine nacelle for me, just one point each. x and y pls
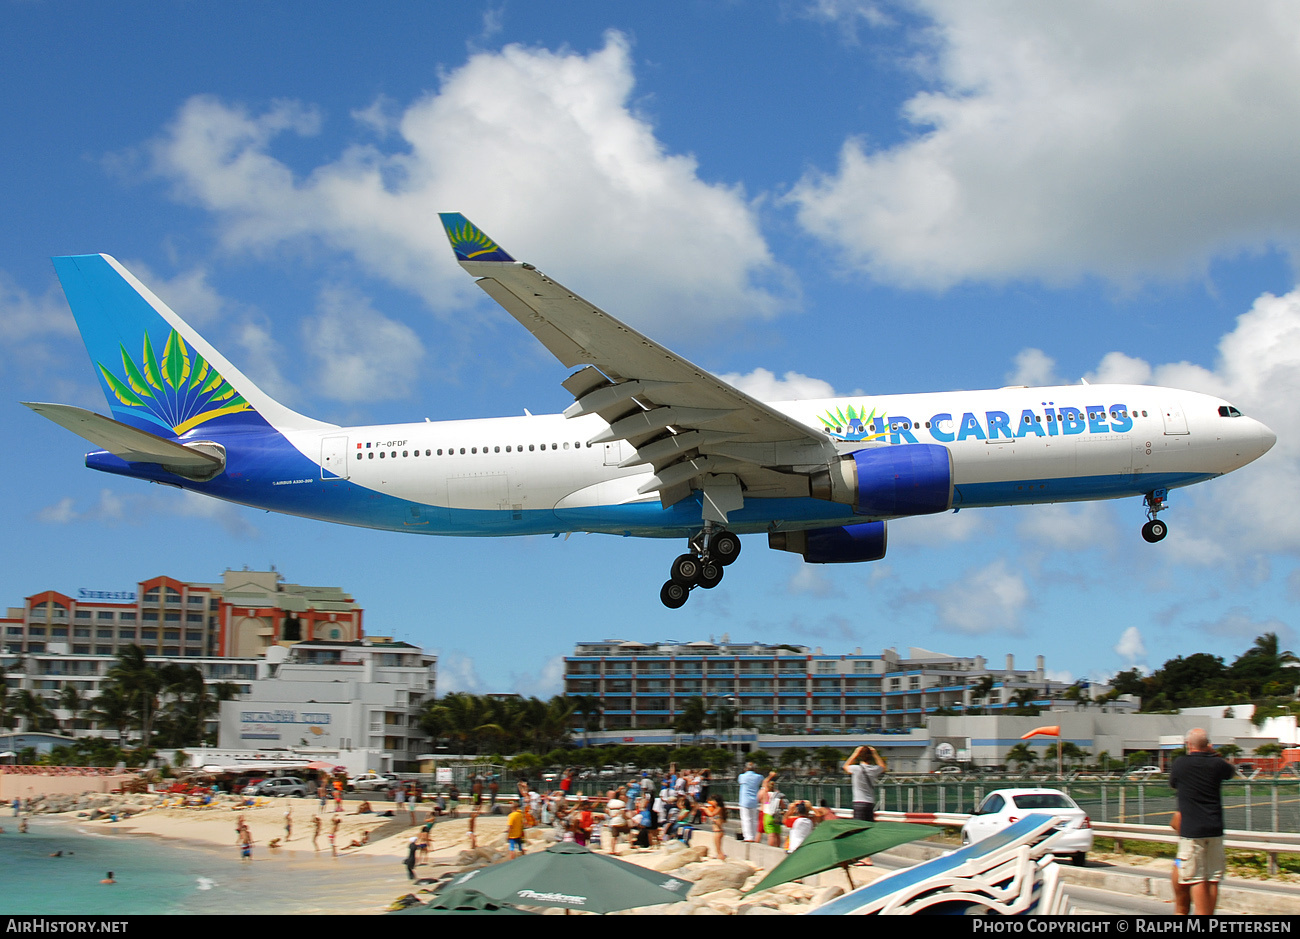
(889, 482)
(847, 543)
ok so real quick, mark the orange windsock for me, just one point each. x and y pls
(1053, 730)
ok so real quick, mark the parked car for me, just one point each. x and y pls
(1145, 772)
(278, 786)
(371, 782)
(1001, 807)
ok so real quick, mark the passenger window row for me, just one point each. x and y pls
(454, 451)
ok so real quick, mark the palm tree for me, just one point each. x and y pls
(692, 717)
(1023, 699)
(588, 705)
(112, 707)
(1022, 755)
(74, 702)
(982, 689)
(140, 683)
(34, 709)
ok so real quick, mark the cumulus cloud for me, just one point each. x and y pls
(988, 599)
(1058, 141)
(1258, 370)
(809, 580)
(1130, 647)
(114, 508)
(540, 148)
(1033, 367)
(1237, 624)
(457, 672)
(188, 293)
(1070, 526)
(765, 386)
(361, 355)
(546, 683)
(25, 316)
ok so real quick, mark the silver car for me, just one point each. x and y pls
(278, 786)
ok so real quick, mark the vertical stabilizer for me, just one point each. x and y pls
(158, 374)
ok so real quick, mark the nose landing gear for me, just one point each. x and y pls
(1155, 530)
(710, 551)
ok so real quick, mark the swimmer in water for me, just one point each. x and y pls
(109, 879)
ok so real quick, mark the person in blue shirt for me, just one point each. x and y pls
(750, 782)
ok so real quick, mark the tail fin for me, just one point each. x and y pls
(158, 374)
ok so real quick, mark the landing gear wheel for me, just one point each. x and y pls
(724, 547)
(1079, 859)
(710, 575)
(1154, 530)
(674, 595)
(685, 570)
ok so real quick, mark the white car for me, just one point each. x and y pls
(371, 782)
(1003, 806)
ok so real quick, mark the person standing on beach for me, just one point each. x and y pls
(338, 795)
(750, 782)
(515, 830)
(246, 845)
(288, 824)
(716, 813)
(323, 793)
(865, 778)
(412, 846)
(315, 832)
(493, 789)
(334, 831)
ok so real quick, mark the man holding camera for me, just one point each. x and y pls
(865, 776)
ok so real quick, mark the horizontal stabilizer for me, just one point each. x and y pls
(132, 445)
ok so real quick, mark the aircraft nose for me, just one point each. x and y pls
(1266, 438)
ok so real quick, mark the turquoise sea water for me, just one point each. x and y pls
(161, 876)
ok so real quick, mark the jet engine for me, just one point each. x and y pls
(847, 543)
(889, 481)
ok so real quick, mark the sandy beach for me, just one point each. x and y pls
(375, 875)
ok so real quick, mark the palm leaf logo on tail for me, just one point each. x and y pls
(178, 392)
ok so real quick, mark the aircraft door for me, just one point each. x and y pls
(1175, 419)
(334, 458)
(614, 453)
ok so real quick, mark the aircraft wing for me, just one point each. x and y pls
(130, 444)
(681, 419)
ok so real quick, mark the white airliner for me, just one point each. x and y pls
(653, 446)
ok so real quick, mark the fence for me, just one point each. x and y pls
(1258, 805)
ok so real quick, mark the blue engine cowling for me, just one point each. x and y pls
(847, 543)
(890, 481)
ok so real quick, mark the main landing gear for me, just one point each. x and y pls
(710, 551)
(1155, 530)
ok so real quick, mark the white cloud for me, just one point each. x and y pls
(989, 599)
(115, 508)
(457, 672)
(765, 386)
(24, 316)
(1258, 370)
(1130, 647)
(1116, 368)
(1033, 367)
(809, 580)
(929, 531)
(188, 293)
(1071, 526)
(360, 354)
(1060, 140)
(540, 148)
(546, 683)
(1237, 624)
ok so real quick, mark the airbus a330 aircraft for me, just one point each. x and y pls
(653, 446)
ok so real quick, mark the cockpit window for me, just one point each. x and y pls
(1227, 410)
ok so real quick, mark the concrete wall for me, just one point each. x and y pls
(26, 786)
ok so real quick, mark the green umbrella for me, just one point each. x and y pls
(838, 843)
(463, 901)
(570, 876)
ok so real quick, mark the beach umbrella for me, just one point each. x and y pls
(838, 843)
(570, 876)
(465, 902)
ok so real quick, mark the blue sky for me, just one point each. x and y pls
(802, 196)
